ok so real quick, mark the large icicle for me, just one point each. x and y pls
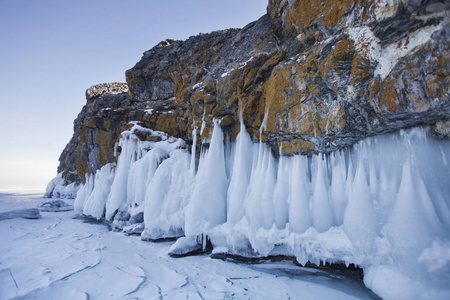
(95, 204)
(413, 222)
(193, 151)
(168, 193)
(299, 196)
(207, 206)
(259, 203)
(84, 192)
(139, 178)
(359, 217)
(322, 214)
(337, 189)
(118, 195)
(281, 193)
(240, 177)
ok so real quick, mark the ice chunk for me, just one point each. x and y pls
(185, 246)
(26, 213)
(54, 206)
(437, 256)
(57, 188)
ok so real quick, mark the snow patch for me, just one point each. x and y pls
(388, 56)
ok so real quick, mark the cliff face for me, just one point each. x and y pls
(96, 130)
(309, 76)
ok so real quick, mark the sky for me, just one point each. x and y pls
(52, 51)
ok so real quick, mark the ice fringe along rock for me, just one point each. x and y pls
(57, 188)
(382, 204)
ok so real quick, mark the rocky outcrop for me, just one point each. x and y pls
(309, 76)
(96, 130)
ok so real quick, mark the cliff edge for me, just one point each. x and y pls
(307, 77)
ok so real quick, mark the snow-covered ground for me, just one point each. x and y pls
(62, 256)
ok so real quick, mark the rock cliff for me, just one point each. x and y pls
(309, 76)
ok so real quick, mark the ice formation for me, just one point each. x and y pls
(56, 188)
(382, 204)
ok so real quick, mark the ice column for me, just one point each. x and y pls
(240, 177)
(259, 204)
(359, 217)
(167, 195)
(299, 196)
(337, 189)
(281, 193)
(118, 195)
(207, 205)
(84, 193)
(322, 214)
(95, 203)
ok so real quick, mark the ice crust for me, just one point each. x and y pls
(382, 204)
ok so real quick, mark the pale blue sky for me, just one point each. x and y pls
(52, 51)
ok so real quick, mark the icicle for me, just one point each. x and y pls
(208, 201)
(267, 205)
(338, 196)
(413, 222)
(240, 177)
(322, 214)
(203, 124)
(373, 179)
(84, 193)
(95, 203)
(259, 203)
(264, 123)
(118, 195)
(299, 195)
(193, 151)
(281, 193)
(139, 177)
(167, 196)
(388, 187)
(359, 220)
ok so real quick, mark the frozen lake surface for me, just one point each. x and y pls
(64, 256)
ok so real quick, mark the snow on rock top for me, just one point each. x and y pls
(387, 56)
(106, 88)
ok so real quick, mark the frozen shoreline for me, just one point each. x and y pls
(62, 256)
